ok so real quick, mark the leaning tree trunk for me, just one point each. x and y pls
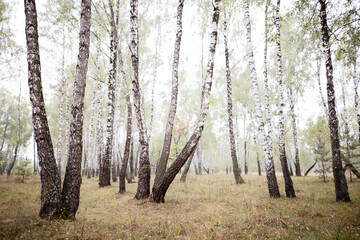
(165, 150)
(161, 187)
(341, 188)
(237, 175)
(289, 188)
(187, 167)
(124, 164)
(131, 158)
(50, 177)
(11, 165)
(72, 179)
(269, 161)
(296, 145)
(143, 189)
(104, 179)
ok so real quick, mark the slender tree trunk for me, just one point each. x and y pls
(11, 165)
(269, 136)
(50, 177)
(104, 179)
(72, 180)
(122, 186)
(165, 151)
(131, 160)
(341, 188)
(296, 145)
(269, 162)
(237, 175)
(289, 188)
(143, 189)
(187, 167)
(318, 62)
(161, 187)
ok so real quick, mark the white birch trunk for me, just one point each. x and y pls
(269, 162)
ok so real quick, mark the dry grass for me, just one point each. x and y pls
(205, 207)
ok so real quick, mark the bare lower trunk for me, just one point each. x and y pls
(161, 187)
(341, 188)
(50, 177)
(131, 160)
(187, 167)
(289, 188)
(165, 150)
(143, 189)
(237, 175)
(128, 142)
(72, 180)
(104, 179)
(265, 142)
(296, 145)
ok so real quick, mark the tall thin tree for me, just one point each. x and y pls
(341, 188)
(165, 150)
(49, 173)
(265, 139)
(72, 179)
(237, 175)
(289, 188)
(160, 188)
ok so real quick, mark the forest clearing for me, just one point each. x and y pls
(181, 119)
(203, 207)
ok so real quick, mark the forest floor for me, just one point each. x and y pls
(204, 207)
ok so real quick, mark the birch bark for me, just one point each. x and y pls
(161, 187)
(165, 150)
(143, 189)
(72, 180)
(104, 179)
(269, 162)
(289, 188)
(341, 188)
(49, 173)
(296, 144)
(237, 175)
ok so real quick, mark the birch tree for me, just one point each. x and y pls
(237, 175)
(341, 188)
(160, 188)
(289, 188)
(165, 151)
(143, 189)
(104, 179)
(265, 139)
(49, 173)
(72, 180)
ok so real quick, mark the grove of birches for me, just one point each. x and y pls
(149, 93)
